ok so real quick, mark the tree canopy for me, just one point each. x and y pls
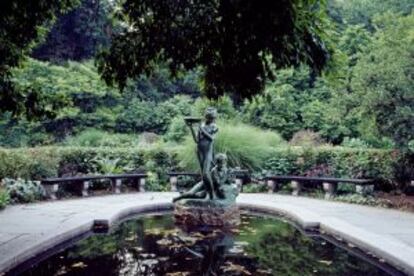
(78, 34)
(21, 23)
(234, 40)
(383, 78)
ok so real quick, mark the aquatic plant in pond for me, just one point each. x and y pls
(153, 245)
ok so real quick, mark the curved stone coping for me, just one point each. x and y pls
(108, 210)
(394, 252)
(49, 247)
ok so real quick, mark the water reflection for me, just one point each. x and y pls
(153, 245)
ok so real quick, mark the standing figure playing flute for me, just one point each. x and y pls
(204, 139)
(205, 153)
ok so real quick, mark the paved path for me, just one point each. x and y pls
(27, 230)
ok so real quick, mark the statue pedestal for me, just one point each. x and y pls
(206, 213)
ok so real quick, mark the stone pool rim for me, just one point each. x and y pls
(392, 251)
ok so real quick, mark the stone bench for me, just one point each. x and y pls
(239, 176)
(51, 185)
(329, 184)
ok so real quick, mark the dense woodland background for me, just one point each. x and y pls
(363, 101)
(364, 96)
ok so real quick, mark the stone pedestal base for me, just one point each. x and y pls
(208, 215)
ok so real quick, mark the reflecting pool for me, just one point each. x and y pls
(153, 245)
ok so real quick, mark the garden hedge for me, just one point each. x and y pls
(41, 162)
(342, 162)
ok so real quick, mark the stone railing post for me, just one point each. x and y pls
(173, 183)
(85, 188)
(117, 185)
(51, 191)
(330, 189)
(239, 184)
(271, 186)
(141, 184)
(296, 186)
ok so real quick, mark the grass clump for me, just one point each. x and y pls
(4, 197)
(98, 138)
(246, 146)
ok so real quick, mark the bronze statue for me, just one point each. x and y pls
(205, 139)
(222, 183)
(215, 187)
(212, 201)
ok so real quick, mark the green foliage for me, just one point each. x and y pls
(42, 162)
(254, 188)
(106, 165)
(177, 130)
(21, 24)
(257, 150)
(293, 102)
(383, 79)
(78, 34)
(79, 99)
(22, 133)
(276, 109)
(306, 138)
(364, 200)
(62, 86)
(354, 40)
(355, 143)
(98, 138)
(27, 164)
(224, 105)
(141, 116)
(198, 35)
(161, 85)
(362, 11)
(4, 197)
(246, 146)
(23, 191)
(335, 162)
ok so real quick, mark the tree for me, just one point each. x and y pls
(232, 39)
(293, 102)
(78, 34)
(383, 79)
(21, 23)
(363, 11)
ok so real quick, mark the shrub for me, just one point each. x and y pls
(306, 138)
(276, 109)
(335, 162)
(23, 191)
(364, 200)
(246, 146)
(105, 165)
(98, 138)
(64, 161)
(224, 106)
(27, 163)
(254, 188)
(140, 116)
(355, 143)
(177, 130)
(4, 197)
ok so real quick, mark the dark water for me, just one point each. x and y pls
(153, 245)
